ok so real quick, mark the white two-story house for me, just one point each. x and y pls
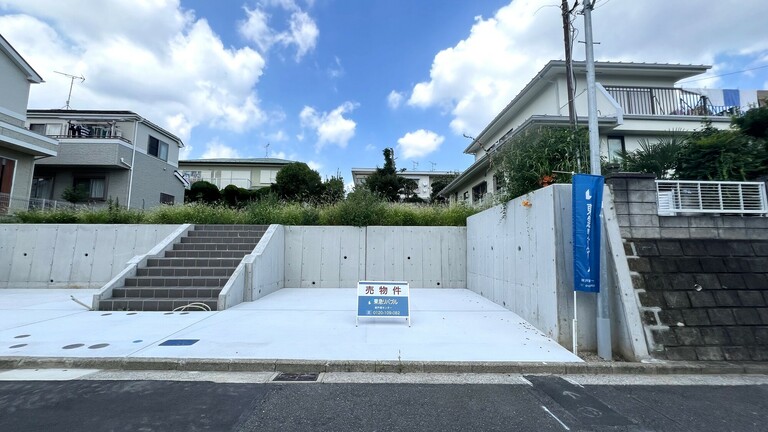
(111, 154)
(634, 101)
(19, 148)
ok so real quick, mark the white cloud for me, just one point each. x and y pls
(476, 78)
(419, 143)
(153, 58)
(279, 136)
(317, 166)
(337, 70)
(370, 147)
(332, 127)
(394, 99)
(302, 31)
(218, 150)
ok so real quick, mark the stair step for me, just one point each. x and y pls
(210, 227)
(185, 271)
(153, 304)
(213, 247)
(165, 293)
(182, 281)
(206, 254)
(226, 234)
(225, 240)
(193, 262)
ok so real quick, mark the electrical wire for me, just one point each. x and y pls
(725, 74)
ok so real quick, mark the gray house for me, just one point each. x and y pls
(112, 154)
(19, 148)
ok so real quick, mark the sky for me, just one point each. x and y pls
(333, 82)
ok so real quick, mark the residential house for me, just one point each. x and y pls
(635, 101)
(112, 154)
(19, 148)
(249, 173)
(423, 179)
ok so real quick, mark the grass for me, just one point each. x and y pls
(359, 210)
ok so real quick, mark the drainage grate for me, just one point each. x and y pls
(296, 377)
(179, 342)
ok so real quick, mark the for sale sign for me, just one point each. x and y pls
(383, 299)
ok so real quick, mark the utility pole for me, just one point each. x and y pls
(566, 11)
(604, 349)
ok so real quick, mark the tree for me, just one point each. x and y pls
(75, 194)
(754, 122)
(658, 158)
(202, 191)
(333, 190)
(388, 184)
(438, 184)
(298, 182)
(713, 154)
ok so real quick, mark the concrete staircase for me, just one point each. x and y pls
(195, 270)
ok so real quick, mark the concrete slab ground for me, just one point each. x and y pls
(448, 325)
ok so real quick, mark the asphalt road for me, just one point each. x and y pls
(549, 404)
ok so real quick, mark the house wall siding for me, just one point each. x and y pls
(13, 86)
(22, 181)
(151, 177)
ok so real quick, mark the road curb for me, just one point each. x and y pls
(302, 366)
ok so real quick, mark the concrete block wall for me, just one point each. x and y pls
(71, 256)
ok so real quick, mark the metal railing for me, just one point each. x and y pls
(90, 137)
(10, 205)
(668, 101)
(746, 198)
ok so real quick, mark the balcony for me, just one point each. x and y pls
(668, 101)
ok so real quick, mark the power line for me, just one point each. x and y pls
(725, 74)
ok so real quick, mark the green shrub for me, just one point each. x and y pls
(64, 216)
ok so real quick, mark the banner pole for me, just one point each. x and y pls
(575, 326)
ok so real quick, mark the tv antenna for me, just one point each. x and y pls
(433, 165)
(266, 150)
(415, 165)
(72, 79)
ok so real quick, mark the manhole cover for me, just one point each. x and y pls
(179, 342)
(296, 377)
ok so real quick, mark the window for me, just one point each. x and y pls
(42, 187)
(157, 148)
(268, 176)
(615, 148)
(50, 129)
(167, 199)
(96, 186)
(478, 192)
(466, 196)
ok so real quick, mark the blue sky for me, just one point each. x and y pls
(334, 82)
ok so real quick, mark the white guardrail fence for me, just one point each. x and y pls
(676, 197)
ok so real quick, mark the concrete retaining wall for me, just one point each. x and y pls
(71, 256)
(333, 257)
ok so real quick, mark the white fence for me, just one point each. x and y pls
(675, 197)
(11, 205)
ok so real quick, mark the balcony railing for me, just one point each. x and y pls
(90, 137)
(668, 101)
(746, 198)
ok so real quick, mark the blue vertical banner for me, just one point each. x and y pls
(587, 203)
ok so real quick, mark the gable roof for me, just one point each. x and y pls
(19, 61)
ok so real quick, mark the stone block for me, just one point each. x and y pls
(621, 208)
(646, 248)
(663, 265)
(641, 196)
(746, 316)
(669, 247)
(726, 298)
(732, 233)
(694, 247)
(638, 282)
(625, 231)
(638, 209)
(616, 183)
(688, 265)
(756, 265)
(628, 250)
(760, 248)
(713, 265)
(649, 318)
(653, 299)
(714, 336)
(671, 317)
(703, 221)
(730, 222)
(676, 233)
(643, 221)
(623, 220)
(620, 196)
(757, 234)
(756, 222)
(681, 281)
(737, 265)
(761, 335)
(758, 353)
(703, 233)
(665, 337)
(721, 316)
(741, 248)
(755, 281)
(695, 317)
(718, 248)
(646, 233)
(640, 265)
(707, 281)
(763, 313)
(731, 281)
(741, 335)
(751, 298)
(709, 354)
(655, 282)
(736, 353)
(676, 299)
(673, 222)
(681, 353)
(701, 299)
(637, 181)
